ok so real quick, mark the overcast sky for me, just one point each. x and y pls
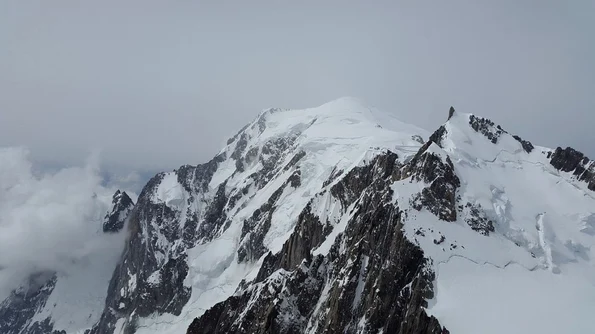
(157, 84)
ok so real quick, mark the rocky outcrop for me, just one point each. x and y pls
(451, 112)
(476, 218)
(121, 207)
(373, 174)
(196, 179)
(486, 127)
(256, 227)
(309, 233)
(142, 284)
(438, 136)
(572, 161)
(527, 146)
(493, 132)
(439, 197)
(215, 216)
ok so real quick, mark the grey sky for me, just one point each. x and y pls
(156, 84)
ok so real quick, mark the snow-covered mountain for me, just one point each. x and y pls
(342, 219)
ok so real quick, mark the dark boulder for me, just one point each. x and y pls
(572, 161)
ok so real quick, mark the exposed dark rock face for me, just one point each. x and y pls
(438, 136)
(572, 161)
(372, 279)
(141, 284)
(195, 179)
(418, 139)
(121, 207)
(296, 291)
(215, 216)
(486, 127)
(237, 154)
(18, 309)
(359, 178)
(256, 227)
(527, 146)
(172, 295)
(451, 112)
(440, 196)
(150, 276)
(240, 147)
(309, 233)
(493, 132)
(295, 180)
(476, 218)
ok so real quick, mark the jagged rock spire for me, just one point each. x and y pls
(121, 207)
(451, 112)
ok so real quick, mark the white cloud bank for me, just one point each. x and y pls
(50, 221)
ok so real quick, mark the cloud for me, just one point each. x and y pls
(50, 221)
(159, 84)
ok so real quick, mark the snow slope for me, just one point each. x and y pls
(536, 273)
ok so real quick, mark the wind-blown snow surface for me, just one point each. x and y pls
(337, 136)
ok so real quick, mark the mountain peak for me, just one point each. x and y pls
(451, 112)
(114, 220)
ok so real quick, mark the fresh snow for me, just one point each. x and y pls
(474, 298)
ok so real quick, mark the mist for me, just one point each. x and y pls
(155, 85)
(51, 222)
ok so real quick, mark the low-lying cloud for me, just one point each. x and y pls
(50, 221)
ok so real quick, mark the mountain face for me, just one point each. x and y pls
(342, 219)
